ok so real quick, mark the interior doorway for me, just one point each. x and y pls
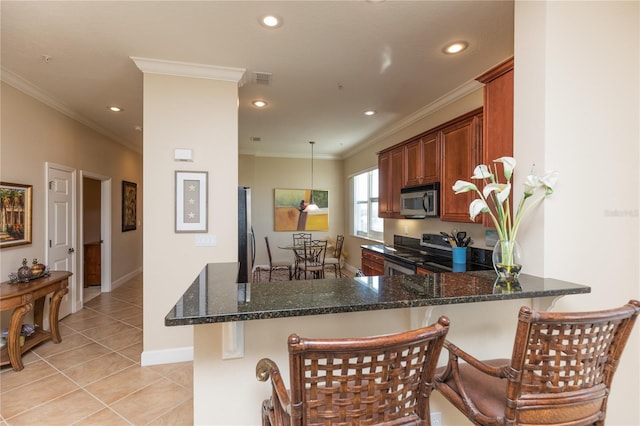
(95, 263)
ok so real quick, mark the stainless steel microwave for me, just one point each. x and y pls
(418, 202)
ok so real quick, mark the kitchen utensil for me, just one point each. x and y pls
(460, 236)
(449, 238)
(466, 242)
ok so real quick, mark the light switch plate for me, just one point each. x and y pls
(180, 154)
(205, 240)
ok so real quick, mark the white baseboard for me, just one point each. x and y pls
(350, 268)
(166, 356)
(125, 278)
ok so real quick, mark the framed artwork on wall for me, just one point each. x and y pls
(288, 210)
(129, 205)
(15, 214)
(191, 201)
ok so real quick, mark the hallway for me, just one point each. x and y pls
(94, 377)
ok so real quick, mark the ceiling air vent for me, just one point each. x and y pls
(262, 78)
(255, 139)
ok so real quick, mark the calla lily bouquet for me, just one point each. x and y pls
(494, 197)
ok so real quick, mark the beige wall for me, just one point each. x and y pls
(197, 114)
(32, 134)
(576, 111)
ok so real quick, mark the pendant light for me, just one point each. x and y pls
(311, 207)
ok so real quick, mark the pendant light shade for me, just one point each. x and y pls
(311, 207)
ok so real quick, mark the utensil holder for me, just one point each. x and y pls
(459, 255)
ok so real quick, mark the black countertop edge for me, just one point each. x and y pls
(290, 313)
(215, 297)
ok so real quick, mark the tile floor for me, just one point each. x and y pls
(94, 377)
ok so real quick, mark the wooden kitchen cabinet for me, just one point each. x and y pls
(390, 179)
(372, 263)
(443, 154)
(423, 271)
(92, 264)
(497, 125)
(461, 153)
(422, 160)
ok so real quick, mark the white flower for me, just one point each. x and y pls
(530, 184)
(508, 163)
(462, 186)
(481, 172)
(502, 191)
(549, 181)
(494, 197)
(476, 207)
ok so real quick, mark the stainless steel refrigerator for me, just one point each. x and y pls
(246, 239)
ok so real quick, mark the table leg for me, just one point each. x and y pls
(38, 313)
(13, 336)
(53, 313)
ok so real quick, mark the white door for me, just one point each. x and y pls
(60, 227)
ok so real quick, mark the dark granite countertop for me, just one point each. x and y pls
(215, 296)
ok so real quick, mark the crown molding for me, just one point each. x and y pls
(286, 154)
(189, 69)
(447, 99)
(35, 92)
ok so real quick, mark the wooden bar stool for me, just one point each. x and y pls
(369, 380)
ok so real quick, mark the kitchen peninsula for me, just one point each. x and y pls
(216, 297)
(236, 324)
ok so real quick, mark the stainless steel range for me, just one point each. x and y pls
(431, 252)
(396, 266)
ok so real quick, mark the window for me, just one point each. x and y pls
(366, 222)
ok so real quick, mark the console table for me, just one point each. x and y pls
(24, 297)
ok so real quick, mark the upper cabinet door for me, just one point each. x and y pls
(461, 153)
(413, 163)
(422, 160)
(390, 178)
(498, 118)
(430, 158)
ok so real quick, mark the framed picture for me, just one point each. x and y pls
(191, 201)
(15, 214)
(129, 205)
(289, 211)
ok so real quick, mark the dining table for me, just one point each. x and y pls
(298, 253)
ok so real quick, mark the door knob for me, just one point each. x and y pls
(71, 250)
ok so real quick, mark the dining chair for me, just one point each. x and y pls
(273, 265)
(334, 260)
(313, 258)
(299, 238)
(367, 380)
(560, 370)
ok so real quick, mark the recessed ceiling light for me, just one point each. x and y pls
(456, 47)
(259, 103)
(271, 21)
(114, 108)
(369, 112)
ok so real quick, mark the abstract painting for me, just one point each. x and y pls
(288, 210)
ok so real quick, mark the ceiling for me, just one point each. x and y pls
(329, 62)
